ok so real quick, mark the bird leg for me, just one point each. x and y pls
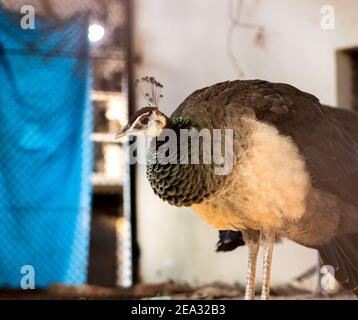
(252, 238)
(268, 241)
(251, 271)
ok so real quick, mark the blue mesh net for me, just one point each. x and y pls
(45, 150)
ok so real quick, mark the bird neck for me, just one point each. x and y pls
(178, 123)
(177, 182)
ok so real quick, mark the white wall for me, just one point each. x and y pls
(183, 43)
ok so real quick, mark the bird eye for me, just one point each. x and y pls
(144, 120)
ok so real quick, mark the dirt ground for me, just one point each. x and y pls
(165, 291)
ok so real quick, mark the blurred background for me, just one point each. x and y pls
(71, 206)
(64, 91)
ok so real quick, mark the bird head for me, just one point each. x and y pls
(148, 121)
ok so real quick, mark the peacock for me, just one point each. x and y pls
(292, 168)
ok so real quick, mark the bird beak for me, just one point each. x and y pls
(121, 133)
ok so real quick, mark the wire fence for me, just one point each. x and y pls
(60, 100)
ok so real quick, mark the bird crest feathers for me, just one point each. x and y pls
(151, 90)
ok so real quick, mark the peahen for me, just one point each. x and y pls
(294, 170)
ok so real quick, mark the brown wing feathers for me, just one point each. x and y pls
(327, 139)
